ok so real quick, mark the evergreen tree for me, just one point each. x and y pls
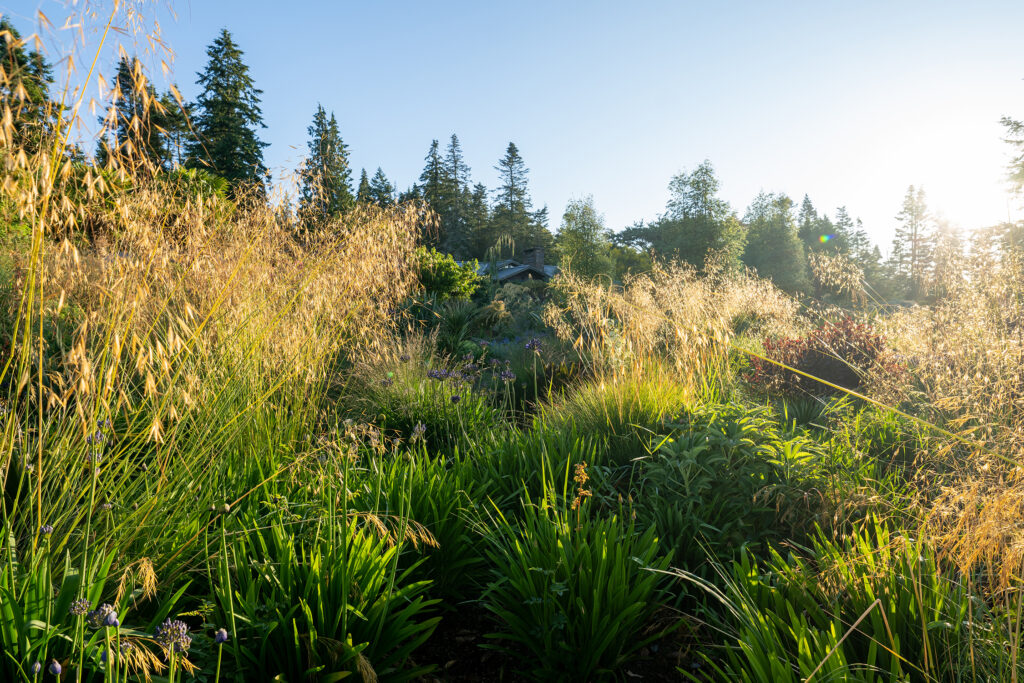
(25, 87)
(511, 213)
(947, 259)
(363, 194)
(325, 177)
(382, 192)
(134, 135)
(478, 218)
(1015, 132)
(582, 240)
(454, 224)
(436, 191)
(773, 247)
(174, 120)
(227, 118)
(912, 245)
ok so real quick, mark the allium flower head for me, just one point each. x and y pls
(36, 668)
(79, 607)
(220, 637)
(173, 635)
(55, 667)
(533, 345)
(507, 376)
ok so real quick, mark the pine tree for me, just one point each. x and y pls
(773, 247)
(478, 218)
(436, 191)
(912, 245)
(134, 135)
(227, 118)
(25, 86)
(325, 177)
(174, 118)
(363, 194)
(382, 192)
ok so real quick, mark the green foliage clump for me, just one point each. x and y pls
(571, 593)
(329, 604)
(874, 606)
(442, 278)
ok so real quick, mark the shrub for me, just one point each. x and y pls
(442, 278)
(573, 595)
(720, 482)
(839, 353)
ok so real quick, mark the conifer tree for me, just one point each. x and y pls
(382, 192)
(912, 245)
(325, 177)
(454, 218)
(27, 77)
(364, 192)
(174, 119)
(134, 132)
(227, 118)
(436, 191)
(511, 213)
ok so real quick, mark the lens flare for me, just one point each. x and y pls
(825, 238)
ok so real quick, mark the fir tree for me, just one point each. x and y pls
(382, 192)
(363, 194)
(325, 177)
(134, 134)
(174, 119)
(25, 86)
(227, 118)
(454, 218)
(511, 214)
(436, 191)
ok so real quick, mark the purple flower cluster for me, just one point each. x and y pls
(173, 635)
(507, 375)
(533, 345)
(79, 608)
(104, 615)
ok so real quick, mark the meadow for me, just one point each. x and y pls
(235, 452)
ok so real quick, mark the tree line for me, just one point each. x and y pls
(218, 134)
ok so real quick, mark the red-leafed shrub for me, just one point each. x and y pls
(840, 353)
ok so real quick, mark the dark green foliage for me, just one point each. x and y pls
(325, 177)
(573, 595)
(363, 192)
(134, 126)
(322, 604)
(25, 88)
(720, 481)
(773, 247)
(227, 116)
(382, 192)
(511, 214)
(912, 246)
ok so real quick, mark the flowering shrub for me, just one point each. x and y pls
(839, 353)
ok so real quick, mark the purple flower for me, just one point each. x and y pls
(404, 358)
(507, 376)
(36, 668)
(220, 637)
(437, 374)
(111, 620)
(80, 607)
(533, 345)
(98, 617)
(173, 635)
(386, 382)
(55, 667)
(456, 398)
(46, 529)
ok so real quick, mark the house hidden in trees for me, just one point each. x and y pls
(532, 267)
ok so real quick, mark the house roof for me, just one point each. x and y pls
(510, 268)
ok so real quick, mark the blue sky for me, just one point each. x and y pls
(847, 102)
